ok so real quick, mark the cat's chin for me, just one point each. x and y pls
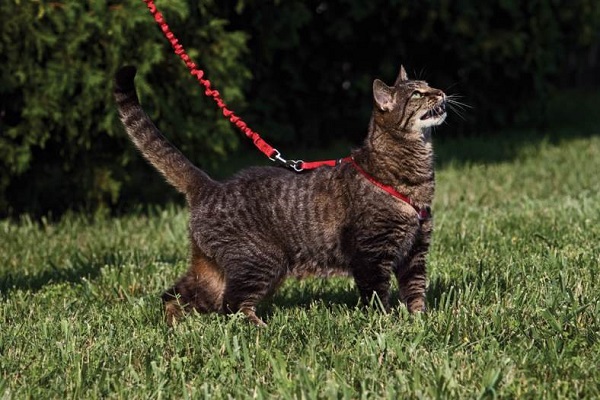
(431, 121)
(432, 117)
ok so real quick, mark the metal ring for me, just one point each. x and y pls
(297, 165)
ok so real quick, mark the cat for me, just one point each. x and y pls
(368, 216)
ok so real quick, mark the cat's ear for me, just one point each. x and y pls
(401, 76)
(383, 95)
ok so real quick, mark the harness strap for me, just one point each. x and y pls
(423, 213)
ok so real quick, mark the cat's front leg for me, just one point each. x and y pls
(412, 275)
(412, 284)
(373, 281)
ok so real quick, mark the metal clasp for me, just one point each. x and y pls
(277, 157)
(296, 165)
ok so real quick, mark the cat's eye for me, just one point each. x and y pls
(417, 95)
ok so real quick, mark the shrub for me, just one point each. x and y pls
(61, 143)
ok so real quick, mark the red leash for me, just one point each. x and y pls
(264, 147)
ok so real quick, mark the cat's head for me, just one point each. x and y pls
(408, 105)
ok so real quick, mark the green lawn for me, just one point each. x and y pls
(513, 299)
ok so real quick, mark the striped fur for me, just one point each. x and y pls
(250, 232)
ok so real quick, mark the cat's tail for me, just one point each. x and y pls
(177, 169)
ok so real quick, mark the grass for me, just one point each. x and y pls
(513, 301)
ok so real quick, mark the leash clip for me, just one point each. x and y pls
(296, 165)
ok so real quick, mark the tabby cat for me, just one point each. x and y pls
(367, 217)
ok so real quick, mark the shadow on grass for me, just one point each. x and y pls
(53, 275)
(307, 294)
(443, 293)
(304, 294)
(80, 267)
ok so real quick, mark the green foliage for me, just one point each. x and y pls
(513, 302)
(61, 144)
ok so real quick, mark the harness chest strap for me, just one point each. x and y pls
(423, 213)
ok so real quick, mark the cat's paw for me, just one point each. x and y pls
(416, 305)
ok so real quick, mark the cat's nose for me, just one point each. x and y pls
(438, 93)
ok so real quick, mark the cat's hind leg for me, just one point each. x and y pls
(249, 281)
(201, 288)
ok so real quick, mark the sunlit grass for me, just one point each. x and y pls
(513, 302)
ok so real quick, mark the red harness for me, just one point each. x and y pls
(273, 154)
(423, 213)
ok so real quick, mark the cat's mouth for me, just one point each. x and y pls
(436, 112)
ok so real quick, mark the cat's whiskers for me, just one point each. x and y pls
(457, 107)
(450, 87)
(453, 99)
(421, 74)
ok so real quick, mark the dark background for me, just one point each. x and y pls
(299, 72)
